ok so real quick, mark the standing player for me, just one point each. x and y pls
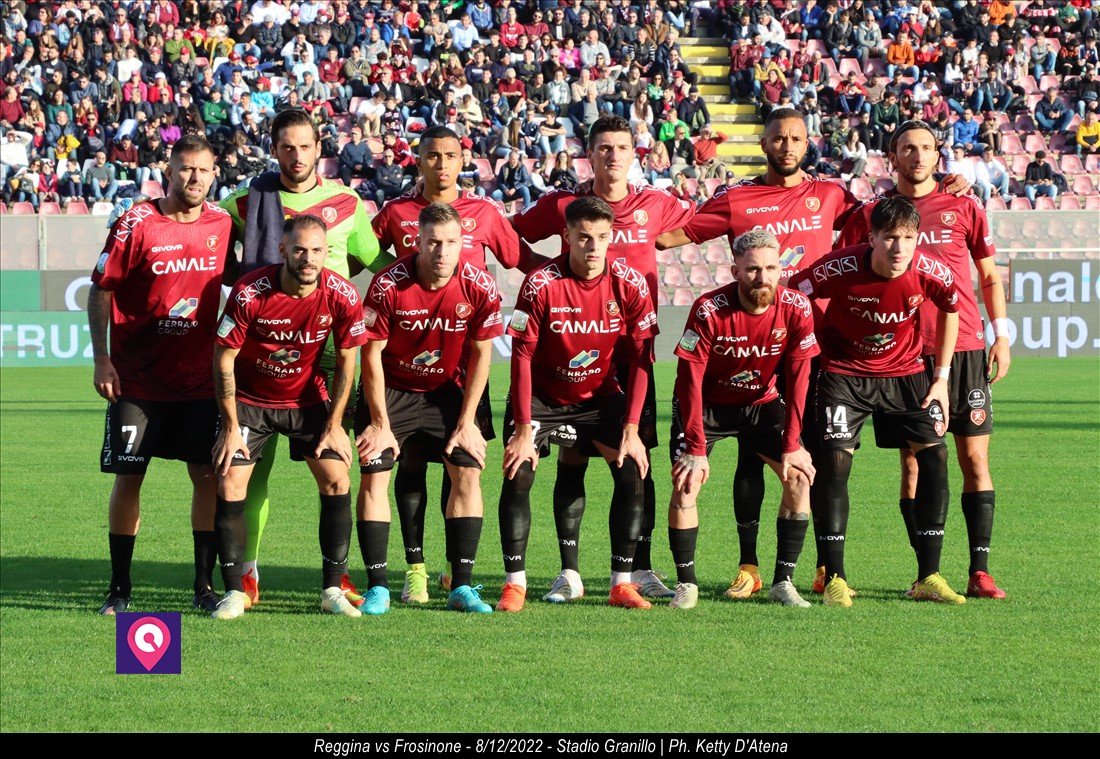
(269, 379)
(871, 362)
(736, 340)
(642, 213)
(955, 230)
(571, 319)
(802, 212)
(424, 315)
(158, 285)
(258, 212)
(484, 227)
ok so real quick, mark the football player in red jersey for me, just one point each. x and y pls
(571, 318)
(736, 340)
(269, 380)
(642, 214)
(871, 362)
(431, 319)
(803, 212)
(484, 227)
(956, 231)
(158, 285)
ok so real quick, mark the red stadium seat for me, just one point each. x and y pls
(683, 297)
(1002, 119)
(1029, 84)
(712, 185)
(1034, 142)
(370, 207)
(583, 167)
(1071, 164)
(701, 276)
(1092, 164)
(1083, 185)
(1069, 203)
(152, 188)
(375, 146)
(1025, 124)
(77, 208)
(1019, 164)
(1048, 81)
(861, 188)
(666, 257)
(718, 254)
(328, 167)
(876, 167)
(102, 208)
(883, 185)
(995, 203)
(851, 64)
(1092, 203)
(1043, 203)
(675, 277)
(1059, 143)
(22, 207)
(49, 208)
(691, 186)
(1011, 145)
(1020, 204)
(3, 208)
(723, 276)
(662, 298)
(690, 255)
(1032, 101)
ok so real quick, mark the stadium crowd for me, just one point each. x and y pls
(93, 94)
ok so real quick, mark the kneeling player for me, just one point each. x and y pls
(736, 339)
(424, 314)
(569, 315)
(268, 377)
(871, 362)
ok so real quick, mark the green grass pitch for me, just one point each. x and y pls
(1031, 662)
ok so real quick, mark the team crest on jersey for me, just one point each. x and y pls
(710, 305)
(469, 224)
(948, 218)
(879, 340)
(212, 243)
(778, 334)
(612, 308)
(285, 356)
(977, 417)
(463, 310)
(813, 204)
(370, 316)
(324, 320)
(328, 213)
(641, 217)
(915, 300)
(689, 340)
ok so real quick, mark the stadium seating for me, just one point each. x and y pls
(152, 188)
(22, 207)
(77, 208)
(49, 208)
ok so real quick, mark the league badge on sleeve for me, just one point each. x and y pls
(519, 320)
(227, 326)
(689, 340)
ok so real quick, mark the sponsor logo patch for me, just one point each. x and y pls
(745, 377)
(285, 356)
(689, 340)
(806, 286)
(940, 428)
(879, 339)
(212, 243)
(184, 308)
(427, 358)
(915, 300)
(976, 399)
(323, 320)
(584, 359)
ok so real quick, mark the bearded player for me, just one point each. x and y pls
(269, 379)
(158, 285)
(258, 212)
(642, 213)
(956, 231)
(871, 362)
(431, 318)
(484, 227)
(571, 318)
(803, 212)
(737, 340)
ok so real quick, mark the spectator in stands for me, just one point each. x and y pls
(840, 38)
(513, 181)
(70, 183)
(1088, 135)
(26, 184)
(885, 118)
(563, 176)
(124, 156)
(681, 153)
(935, 106)
(868, 40)
(991, 176)
(899, 56)
(707, 162)
(692, 110)
(966, 134)
(850, 97)
(989, 133)
(854, 155)
(152, 161)
(551, 134)
(215, 115)
(1039, 178)
(389, 178)
(964, 167)
(355, 157)
(967, 94)
(1043, 58)
(1051, 114)
(657, 163)
(1088, 92)
(100, 178)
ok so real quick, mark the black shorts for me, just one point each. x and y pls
(137, 431)
(844, 402)
(578, 425)
(971, 399)
(432, 416)
(647, 424)
(303, 426)
(759, 427)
